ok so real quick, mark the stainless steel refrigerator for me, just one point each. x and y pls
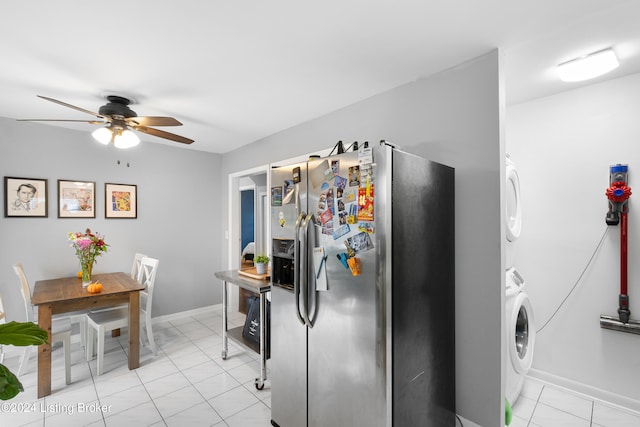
(362, 310)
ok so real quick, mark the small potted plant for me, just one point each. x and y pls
(261, 262)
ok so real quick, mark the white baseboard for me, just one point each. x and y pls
(466, 422)
(12, 351)
(188, 313)
(587, 390)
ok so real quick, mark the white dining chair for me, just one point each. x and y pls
(73, 316)
(135, 268)
(60, 328)
(98, 323)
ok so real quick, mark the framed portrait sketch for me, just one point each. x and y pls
(76, 199)
(25, 197)
(120, 201)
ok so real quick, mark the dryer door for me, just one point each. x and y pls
(513, 206)
(522, 334)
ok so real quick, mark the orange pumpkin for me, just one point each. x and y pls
(80, 274)
(94, 288)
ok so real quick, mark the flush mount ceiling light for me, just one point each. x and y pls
(117, 133)
(588, 66)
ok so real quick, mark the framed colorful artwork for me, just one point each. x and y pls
(76, 199)
(120, 201)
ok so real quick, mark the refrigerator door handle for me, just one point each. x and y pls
(304, 270)
(296, 268)
(311, 286)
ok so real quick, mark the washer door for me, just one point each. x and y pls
(514, 209)
(521, 334)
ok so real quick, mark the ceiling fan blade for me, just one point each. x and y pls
(71, 106)
(93, 122)
(152, 121)
(163, 134)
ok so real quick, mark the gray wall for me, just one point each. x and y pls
(454, 118)
(178, 221)
(563, 146)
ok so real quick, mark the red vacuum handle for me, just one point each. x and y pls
(623, 254)
(618, 193)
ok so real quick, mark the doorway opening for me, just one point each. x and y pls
(258, 180)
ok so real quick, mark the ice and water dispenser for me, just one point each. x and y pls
(283, 261)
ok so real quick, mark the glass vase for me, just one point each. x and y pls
(86, 273)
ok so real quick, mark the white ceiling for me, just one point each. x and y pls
(236, 71)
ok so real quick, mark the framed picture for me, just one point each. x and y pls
(76, 199)
(25, 197)
(120, 201)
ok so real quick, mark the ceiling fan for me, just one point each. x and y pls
(120, 120)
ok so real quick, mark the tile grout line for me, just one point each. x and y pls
(188, 380)
(530, 420)
(95, 388)
(591, 401)
(184, 335)
(226, 371)
(176, 366)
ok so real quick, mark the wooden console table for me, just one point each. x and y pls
(260, 287)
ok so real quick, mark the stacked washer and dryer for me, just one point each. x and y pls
(519, 320)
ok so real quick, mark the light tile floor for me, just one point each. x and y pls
(187, 384)
(544, 405)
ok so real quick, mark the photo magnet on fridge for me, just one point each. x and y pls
(330, 201)
(354, 176)
(326, 216)
(360, 242)
(341, 231)
(367, 227)
(288, 191)
(349, 196)
(353, 213)
(335, 166)
(340, 182)
(328, 174)
(327, 228)
(318, 174)
(342, 217)
(276, 196)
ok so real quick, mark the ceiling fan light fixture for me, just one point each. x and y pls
(588, 66)
(125, 139)
(118, 119)
(102, 135)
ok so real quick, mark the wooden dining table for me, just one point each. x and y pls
(67, 294)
